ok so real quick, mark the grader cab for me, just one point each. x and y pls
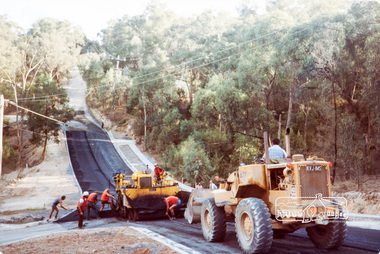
(270, 200)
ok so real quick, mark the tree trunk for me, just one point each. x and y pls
(145, 128)
(46, 133)
(335, 135)
(288, 121)
(45, 144)
(18, 127)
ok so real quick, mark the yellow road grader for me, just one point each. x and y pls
(139, 195)
(270, 200)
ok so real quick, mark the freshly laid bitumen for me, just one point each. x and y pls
(94, 161)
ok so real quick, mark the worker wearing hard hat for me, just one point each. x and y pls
(82, 205)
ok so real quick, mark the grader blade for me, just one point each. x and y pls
(194, 205)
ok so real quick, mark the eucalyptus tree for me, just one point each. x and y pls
(59, 45)
(48, 48)
(358, 84)
(54, 106)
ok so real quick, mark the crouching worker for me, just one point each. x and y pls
(91, 204)
(54, 207)
(171, 202)
(82, 205)
(106, 198)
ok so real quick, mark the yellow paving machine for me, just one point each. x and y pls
(139, 195)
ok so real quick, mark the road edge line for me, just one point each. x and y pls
(167, 242)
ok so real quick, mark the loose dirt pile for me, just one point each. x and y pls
(360, 200)
(115, 240)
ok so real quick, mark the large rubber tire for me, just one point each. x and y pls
(213, 220)
(123, 212)
(134, 214)
(329, 236)
(253, 226)
(121, 208)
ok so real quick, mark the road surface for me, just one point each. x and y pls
(358, 240)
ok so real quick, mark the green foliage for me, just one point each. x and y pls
(205, 88)
(246, 150)
(9, 156)
(50, 48)
(94, 74)
(297, 143)
(54, 107)
(122, 121)
(189, 160)
(186, 129)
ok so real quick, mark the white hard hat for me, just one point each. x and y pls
(85, 193)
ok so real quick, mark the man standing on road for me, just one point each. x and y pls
(171, 202)
(82, 205)
(275, 151)
(91, 202)
(54, 207)
(106, 198)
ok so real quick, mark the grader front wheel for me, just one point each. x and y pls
(213, 220)
(253, 226)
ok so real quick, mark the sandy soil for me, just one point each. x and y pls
(115, 240)
(37, 187)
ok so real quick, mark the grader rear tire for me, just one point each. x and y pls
(253, 224)
(330, 236)
(213, 221)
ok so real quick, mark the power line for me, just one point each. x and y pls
(200, 58)
(208, 63)
(33, 112)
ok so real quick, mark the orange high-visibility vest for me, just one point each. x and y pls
(92, 197)
(105, 196)
(84, 205)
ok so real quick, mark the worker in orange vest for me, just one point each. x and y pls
(82, 205)
(157, 172)
(91, 204)
(106, 198)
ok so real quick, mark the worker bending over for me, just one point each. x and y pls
(91, 204)
(54, 207)
(171, 202)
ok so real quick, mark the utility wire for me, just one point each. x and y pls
(208, 63)
(33, 112)
(200, 58)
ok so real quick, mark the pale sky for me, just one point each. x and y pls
(93, 15)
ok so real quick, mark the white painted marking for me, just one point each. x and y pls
(171, 244)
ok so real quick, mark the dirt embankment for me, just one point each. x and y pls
(364, 200)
